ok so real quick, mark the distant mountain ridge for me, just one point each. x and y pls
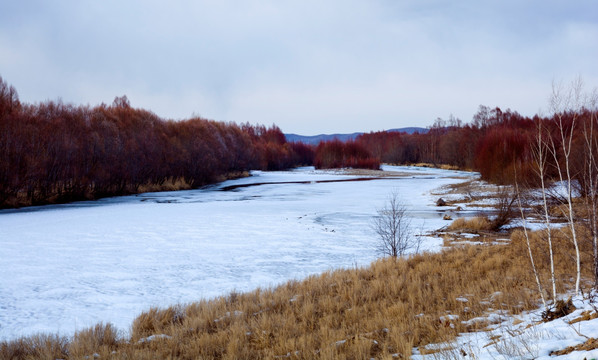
(315, 139)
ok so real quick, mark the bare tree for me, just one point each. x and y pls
(505, 199)
(591, 176)
(529, 248)
(393, 226)
(539, 151)
(562, 103)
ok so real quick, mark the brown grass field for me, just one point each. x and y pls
(380, 311)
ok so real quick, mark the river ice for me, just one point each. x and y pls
(67, 267)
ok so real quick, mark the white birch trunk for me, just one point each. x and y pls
(541, 162)
(529, 248)
(560, 104)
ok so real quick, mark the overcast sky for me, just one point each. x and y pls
(309, 66)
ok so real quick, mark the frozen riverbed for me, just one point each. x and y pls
(67, 267)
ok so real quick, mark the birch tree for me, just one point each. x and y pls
(540, 155)
(529, 248)
(566, 102)
(590, 176)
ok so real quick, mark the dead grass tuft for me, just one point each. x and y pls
(171, 184)
(472, 225)
(151, 322)
(100, 339)
(585, 316)
(439, 166)
(41, 346)
(590, 344)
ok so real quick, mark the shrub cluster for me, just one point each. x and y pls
(496, 143)
(338, 154)
(55, 152)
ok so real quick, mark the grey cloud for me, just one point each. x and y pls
(309, 66)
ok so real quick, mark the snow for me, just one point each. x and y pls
(521, 337)
(67, 267)
(154, 337)
(534, 224)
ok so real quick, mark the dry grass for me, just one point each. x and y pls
(384, 309)
(440, 166)
(472, 225)
(171, 184)
(39, 346)
(580, 210)
(175, 184)
(22, 199)
(564, 256)
(98, 339)
(590, 344)
(585, 316)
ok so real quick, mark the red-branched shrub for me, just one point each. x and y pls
(55, 152)
(303, 153)
(338, 154)
(503, 155)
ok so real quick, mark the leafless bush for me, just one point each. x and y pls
(505, 212)
(393, 226)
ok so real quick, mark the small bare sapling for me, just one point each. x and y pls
(393, 227)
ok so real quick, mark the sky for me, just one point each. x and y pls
(310, 67)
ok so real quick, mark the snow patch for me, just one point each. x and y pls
(152, 338)
(522, 337)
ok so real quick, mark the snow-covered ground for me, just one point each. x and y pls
(523, 336)
(67, 267)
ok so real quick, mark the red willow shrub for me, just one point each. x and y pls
(338, 154)
(391, 147)
(304, 154)
(53, 152)
(498, 144)
(502, 155)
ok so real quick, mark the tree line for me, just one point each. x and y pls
(498, 144)
(54, 152)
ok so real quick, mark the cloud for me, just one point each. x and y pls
(309, 66)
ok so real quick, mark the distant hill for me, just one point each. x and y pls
(410, 130)
(315, 139)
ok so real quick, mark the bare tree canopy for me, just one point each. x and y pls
(393, 226)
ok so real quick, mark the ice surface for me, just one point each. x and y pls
(68, 267)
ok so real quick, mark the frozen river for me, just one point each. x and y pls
(67, 267)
